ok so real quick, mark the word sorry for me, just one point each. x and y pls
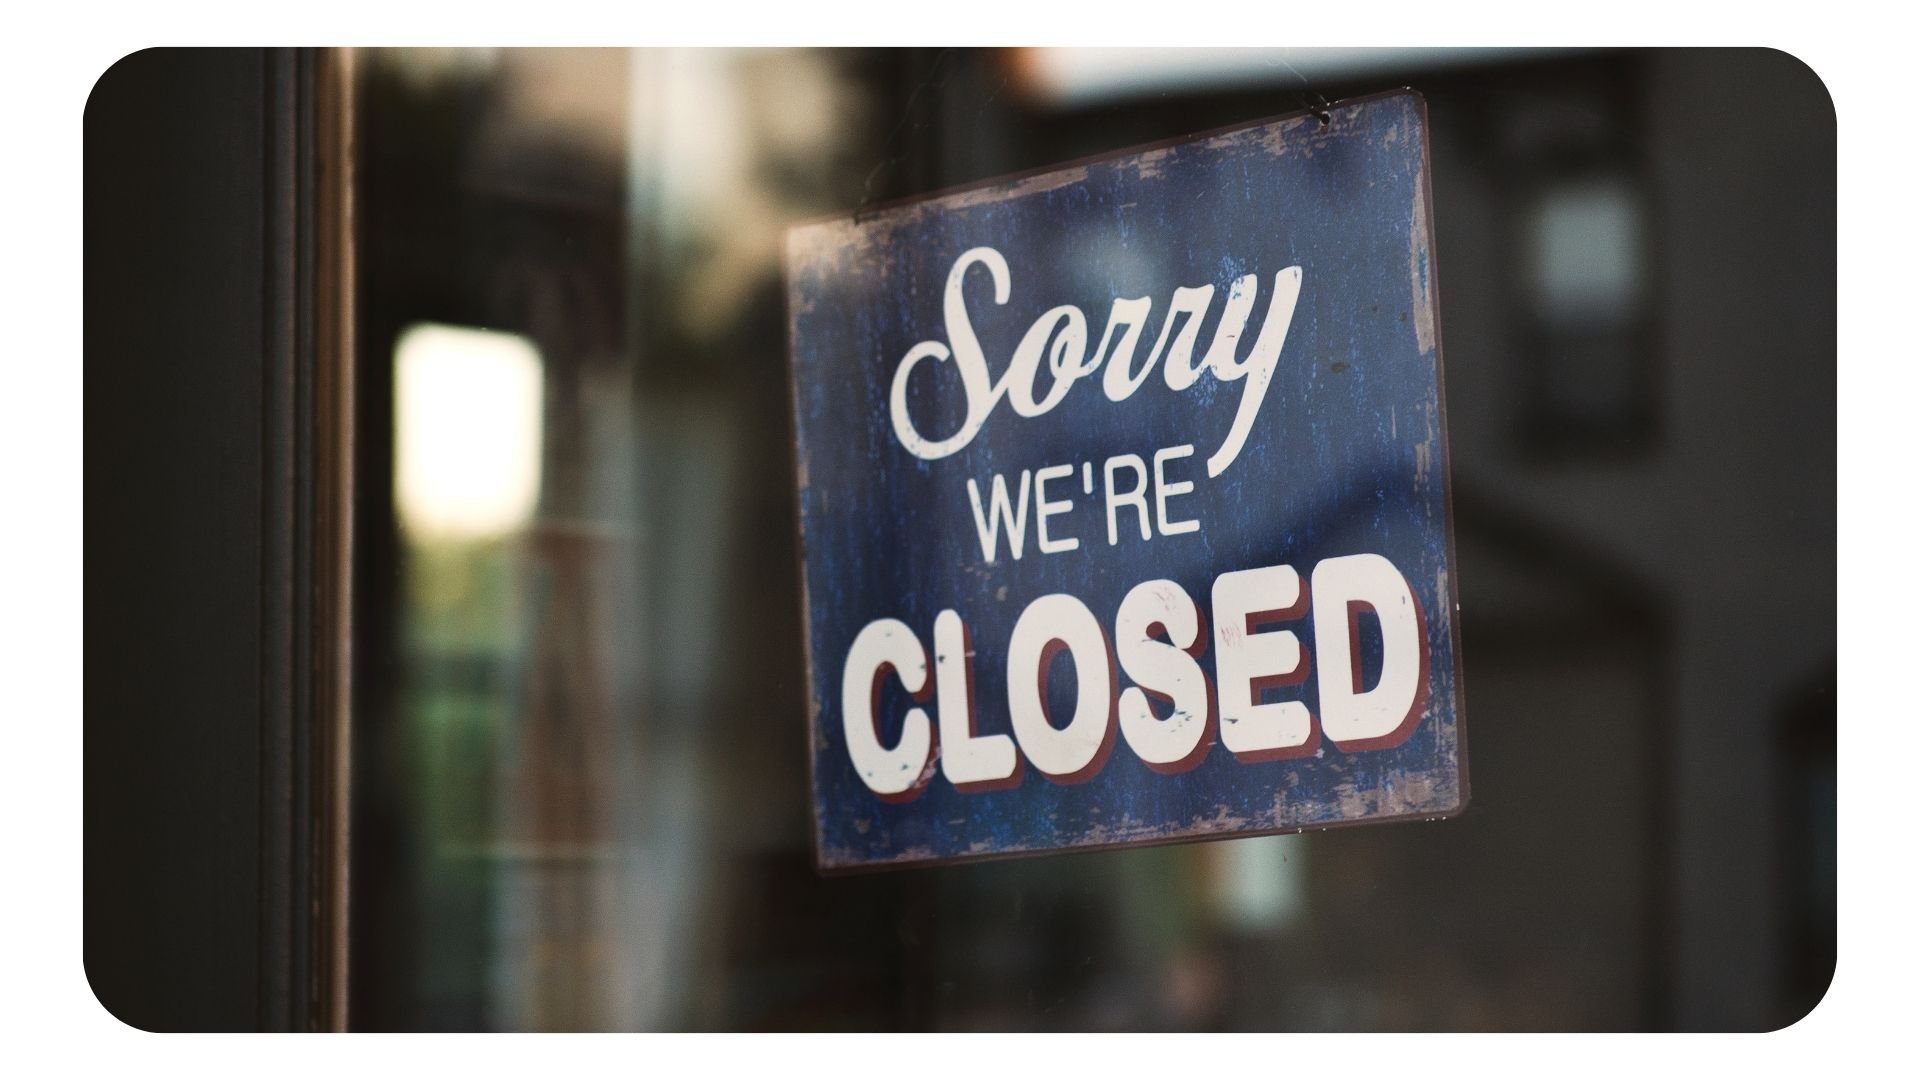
(1158, 637)
(1065, 327)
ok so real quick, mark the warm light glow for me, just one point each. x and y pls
(467, 427)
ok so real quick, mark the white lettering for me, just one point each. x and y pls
(967, 358)
(1119, 381)
(1070, 754)
(971, 762)
(1248, 662)
(1357, 719)
(897, 773)
(1165, 670)
(1042, 510)
(988, 522)
(1063, 361)
(1160, 636)
(1061, 335)
(1162, 491)
(1191, 302)
(1137, 498)
(1258, 367)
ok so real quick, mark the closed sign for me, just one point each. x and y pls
(1124, 500)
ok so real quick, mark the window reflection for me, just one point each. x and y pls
(468, 432)
(582, 795)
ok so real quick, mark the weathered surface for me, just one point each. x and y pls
(1347, 455)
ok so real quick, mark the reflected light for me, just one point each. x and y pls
(1076, 77)
(1262, 886)
(467, 429)
(1585, 241)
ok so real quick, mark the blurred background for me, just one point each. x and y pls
(577, 805)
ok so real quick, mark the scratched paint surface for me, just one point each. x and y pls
(1347, 455)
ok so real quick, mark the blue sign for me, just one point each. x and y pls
(1124, 500)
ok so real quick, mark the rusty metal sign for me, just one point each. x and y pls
(1124, 500)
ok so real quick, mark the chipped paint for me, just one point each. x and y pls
(1419, 267)
(1275, 140)
(1150, 165)
(1019, 189)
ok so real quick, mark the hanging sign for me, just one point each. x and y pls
(1124, 502)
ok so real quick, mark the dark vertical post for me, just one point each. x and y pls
(213, 643)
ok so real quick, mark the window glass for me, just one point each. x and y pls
(581, 793)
